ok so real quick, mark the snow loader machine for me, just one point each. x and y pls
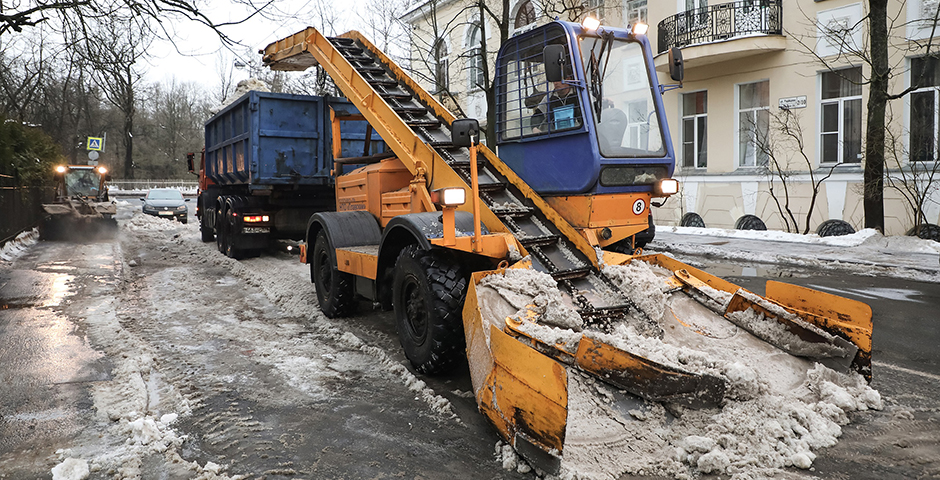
(81, 208)
(585, 152)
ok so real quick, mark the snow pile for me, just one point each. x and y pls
(527, 289)
(14, 248)
(289, 288)
(243, 87)
(71, 469)
(863, 253)
(852, 240)
(778, 409)
(642, 284)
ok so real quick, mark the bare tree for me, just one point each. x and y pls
(782, 144)
(914, 173)
(113, 50)
(225, 68)
(884, 28)
(383, 27)
(73, 16)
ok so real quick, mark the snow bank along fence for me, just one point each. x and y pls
(20, 207)
(137, 185)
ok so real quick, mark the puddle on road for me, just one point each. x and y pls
(729, 268)
(60, 288)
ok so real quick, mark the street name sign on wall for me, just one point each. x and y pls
(789, 103)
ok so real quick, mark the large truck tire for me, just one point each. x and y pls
(224, 236)
(428, 290)
(207, 234)
(335, 292)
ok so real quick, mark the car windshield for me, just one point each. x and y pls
(82, 182)
(164, 195)
(628, 124)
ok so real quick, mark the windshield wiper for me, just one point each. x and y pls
(596, 71)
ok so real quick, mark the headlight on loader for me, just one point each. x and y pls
(667, 186)
(449, 197)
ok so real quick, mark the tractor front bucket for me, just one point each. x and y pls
(521, 365)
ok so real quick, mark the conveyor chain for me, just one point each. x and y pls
(598, 301)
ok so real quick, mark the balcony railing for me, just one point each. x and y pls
(721, 22)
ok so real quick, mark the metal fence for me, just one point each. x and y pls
(138, 185)
(721, 22)
(20, 207)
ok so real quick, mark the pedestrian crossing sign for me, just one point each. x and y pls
(95, 143)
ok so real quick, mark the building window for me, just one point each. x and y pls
(525, 15)
(840, 136)
(695, 16)
(925, 74)
(475, 70)
(594, 8)
(695, 130)
(441, 75)
(635, 12)
(753, 123)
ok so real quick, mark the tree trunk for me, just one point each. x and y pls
(877, 103)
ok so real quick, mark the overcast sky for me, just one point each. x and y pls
(200, 50)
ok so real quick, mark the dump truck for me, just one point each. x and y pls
(81, 207)
(584, 152)
(267, 167)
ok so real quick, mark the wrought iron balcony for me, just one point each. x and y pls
(721, 22)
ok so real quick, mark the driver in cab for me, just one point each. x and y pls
(559, 111)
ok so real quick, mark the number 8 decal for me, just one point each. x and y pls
(639, 206)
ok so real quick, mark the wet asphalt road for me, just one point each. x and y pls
(369, 425)
(207, 337)
(47, 366)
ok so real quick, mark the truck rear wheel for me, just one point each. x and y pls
(334, 288)
(428, 290)
(207, 235)
(224, 236)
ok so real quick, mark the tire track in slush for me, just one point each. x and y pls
(221, 389)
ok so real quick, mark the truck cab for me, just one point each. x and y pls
(580, 121)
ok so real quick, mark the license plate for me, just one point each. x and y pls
(164, 213)
(256, 230)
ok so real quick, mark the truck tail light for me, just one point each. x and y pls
(256, 218)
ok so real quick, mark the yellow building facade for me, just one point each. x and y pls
(770, 120)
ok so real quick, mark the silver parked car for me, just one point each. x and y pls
(166, 202)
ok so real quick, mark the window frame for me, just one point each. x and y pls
(475, 78)
(523, 11)
(694, 117)
(935, 91)
(737, 119)
(640, 7)
(441, 61)
(840, 132)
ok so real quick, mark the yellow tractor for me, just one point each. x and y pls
(81, 208)
(430, 228)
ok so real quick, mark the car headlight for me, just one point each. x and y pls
(181, 208)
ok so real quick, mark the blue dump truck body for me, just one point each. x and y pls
(268, 163)
(267, 139)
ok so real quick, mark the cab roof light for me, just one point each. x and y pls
(640, 28)
(590, 23)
